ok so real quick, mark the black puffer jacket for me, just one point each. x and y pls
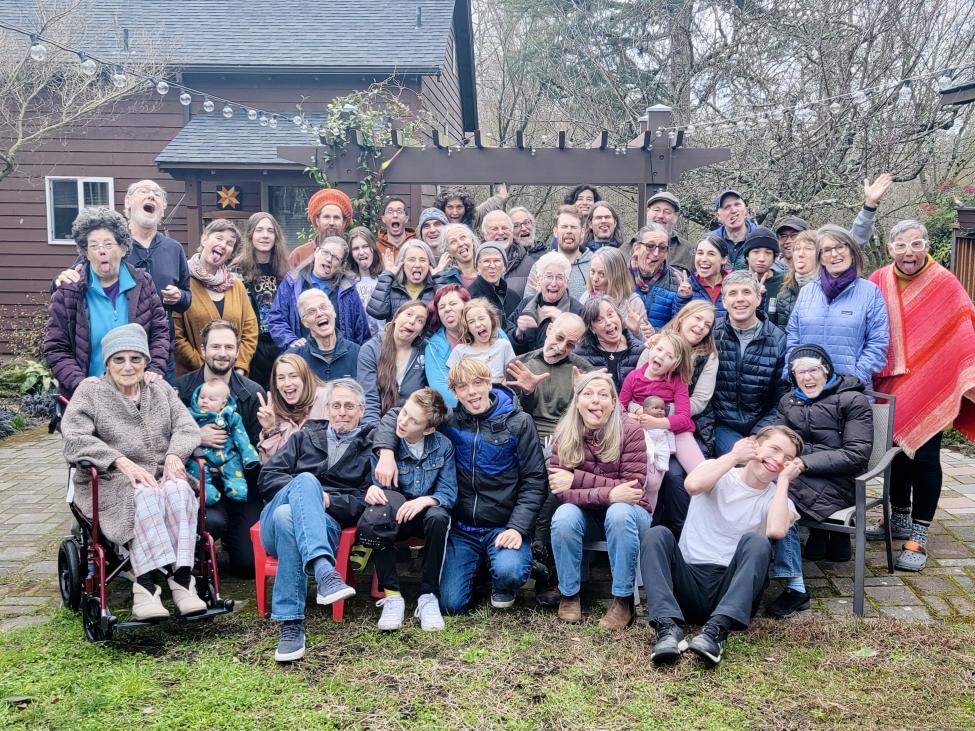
(704, 421)
(501, 475)
(621, 365)
(346, 481)
(504, 299)
(749, 386)
(390, 294)
(837, 427)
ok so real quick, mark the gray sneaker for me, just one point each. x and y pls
(291, 646)
(332, 589)
(502, 599)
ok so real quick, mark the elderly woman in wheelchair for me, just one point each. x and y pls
(138, 436)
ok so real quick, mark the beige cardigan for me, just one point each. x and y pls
(188, 326)
(100, 425)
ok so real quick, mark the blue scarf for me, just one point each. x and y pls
(800, 394)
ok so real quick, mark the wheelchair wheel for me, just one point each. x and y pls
(70, 577)
(97, 628)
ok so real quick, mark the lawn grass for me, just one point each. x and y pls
(518, 670)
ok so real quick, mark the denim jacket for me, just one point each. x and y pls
(434, 474)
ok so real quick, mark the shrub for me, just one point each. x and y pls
(26, 376)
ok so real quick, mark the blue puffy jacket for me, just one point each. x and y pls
(749, 385)
(853, 329)
(736, 252)
(342, 362)
(659, 298)
(284, 322)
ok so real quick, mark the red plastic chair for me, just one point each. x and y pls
(265, 566)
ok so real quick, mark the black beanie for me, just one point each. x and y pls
(810, 351)
(760, 238)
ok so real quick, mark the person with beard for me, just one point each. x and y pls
(603, 228)
(536, 311)
(543, 381)
(409, 277)
(732, 213)
(498, 228)
(326, 273)
(395, 231)
(491, 283)
(328, 353)
(655, 281)
(330, 214)
(161, 257)
(568, 235)
(218, 293)
(717, 572)
(230, 522)
(520, 265)
(663, 208)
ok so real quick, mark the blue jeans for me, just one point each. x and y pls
(465, 551)
(296, 529)
(787, 563)
(724, 439)
(620, 526)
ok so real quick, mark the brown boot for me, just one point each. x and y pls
(619, 616)
(570, 609)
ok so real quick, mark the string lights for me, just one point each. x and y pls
(89, 65)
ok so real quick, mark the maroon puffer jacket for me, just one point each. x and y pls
(593, 480)
(67, 344)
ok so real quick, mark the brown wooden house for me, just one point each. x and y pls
(266, 54)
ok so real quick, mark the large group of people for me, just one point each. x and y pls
(510, 394)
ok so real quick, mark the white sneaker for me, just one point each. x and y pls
(393, 610)
(428, 610)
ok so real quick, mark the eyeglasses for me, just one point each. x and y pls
(144, 190)
(901, 247)
(549, 278)
(329, 255)
(323, 309)
(663, 248)
(808, 371)
(527, 223)
(343, 406)
(102, 247)
(839, 250)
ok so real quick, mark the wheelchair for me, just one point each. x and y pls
(87, 563)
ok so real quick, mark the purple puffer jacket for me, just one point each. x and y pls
(592, 481)
(67, 344)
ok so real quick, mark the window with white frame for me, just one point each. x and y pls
(65, 199)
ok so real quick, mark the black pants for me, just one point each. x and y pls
(672, 499)
(695, 592)
(919, 478)
(432, 525)
(230, 522)
(262, 360)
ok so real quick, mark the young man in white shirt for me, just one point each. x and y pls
(718, 572)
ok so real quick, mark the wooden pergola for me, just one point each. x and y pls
(654, 160)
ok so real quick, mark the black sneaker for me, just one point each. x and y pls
(502, 599)
(709, 644)
(548, 597)
(670, 642)
(291, 646)
(789, 603)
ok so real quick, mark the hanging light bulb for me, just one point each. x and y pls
(296, 120)
(904, 95)
(273, 122)
(262, 121)
(87, 66)
(185, 99)
(207, 104)
(943, 83)
(118, 77)
(252, 114)
(228, 111)
(38, 51)
(836, 107)
(162, 87)
(860, 98)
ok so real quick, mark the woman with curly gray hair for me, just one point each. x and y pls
(107, 295)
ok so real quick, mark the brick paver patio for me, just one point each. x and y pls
(34, 519)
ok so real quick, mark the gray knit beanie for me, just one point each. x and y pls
(131, 337)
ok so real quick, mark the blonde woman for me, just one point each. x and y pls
(598, 471)
(609, 275)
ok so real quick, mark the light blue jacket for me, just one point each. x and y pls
(853, 329)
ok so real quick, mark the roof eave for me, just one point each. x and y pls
(384, 71)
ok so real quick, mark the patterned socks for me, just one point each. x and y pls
(919, 532)
(900, 519)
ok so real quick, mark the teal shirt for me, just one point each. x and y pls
(104, 316)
